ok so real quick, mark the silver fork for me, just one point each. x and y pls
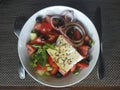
(19, 22)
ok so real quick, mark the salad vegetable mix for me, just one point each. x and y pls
(45, 41)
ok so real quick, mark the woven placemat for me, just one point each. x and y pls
(10, 9)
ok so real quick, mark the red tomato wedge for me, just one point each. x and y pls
(50, 61)
(77, 35)
(72, 70)
(87, 39)
(83, 50)
(30, 49)
(39, 67)
(38, 40)
(82, 65)
(52, 36)
(54, 66)
(43, 27)
(37, 26)
(55, 69)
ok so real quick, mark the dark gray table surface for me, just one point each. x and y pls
(10, 9)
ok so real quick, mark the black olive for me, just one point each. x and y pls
(39, 19)
(89, 44)
(70, 32)
(36, 31)
(86, 60)
(59, 75)
(60, 22)
(43, 38)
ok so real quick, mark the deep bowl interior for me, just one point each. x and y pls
(52, 81)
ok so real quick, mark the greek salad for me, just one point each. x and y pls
(59, 45)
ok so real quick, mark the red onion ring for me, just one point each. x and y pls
(81, 30)
(68, 25)
(68, 13)
(51, 22)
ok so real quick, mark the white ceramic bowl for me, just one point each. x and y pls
(70, 79)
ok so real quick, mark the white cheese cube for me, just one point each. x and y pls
(65, 55)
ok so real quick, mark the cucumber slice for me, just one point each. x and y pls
(91, 43)
(47, 73)
(47, 65)
(33, 36)
(40, 72)
(76, 73)
(49, 68)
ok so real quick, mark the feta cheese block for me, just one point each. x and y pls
(64, 55)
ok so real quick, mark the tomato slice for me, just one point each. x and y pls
(52, 36)
(39, 67)
(50, 61)
(77, 35)
(37, 26)
(43, 27)
(83, 50)
(87, 39)
(38, 40)
(30, 49)
(82, 65)
(54, 66)
(72, 70)
(54, 71)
